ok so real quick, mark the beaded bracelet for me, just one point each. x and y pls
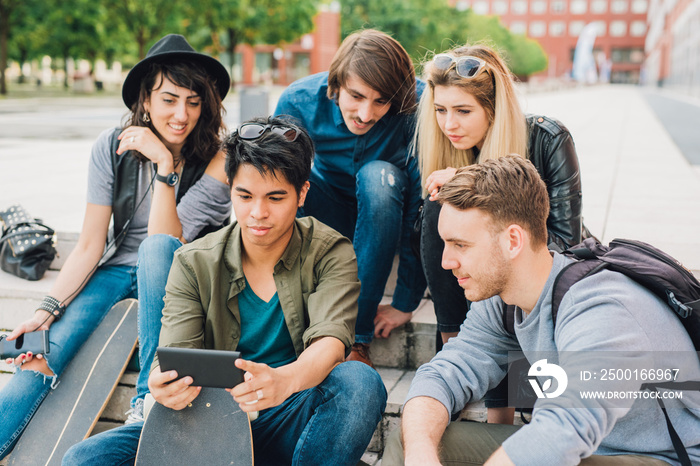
(52, 306)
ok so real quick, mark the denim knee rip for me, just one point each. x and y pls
(53, 378)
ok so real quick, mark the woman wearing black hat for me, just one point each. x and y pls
(160, 180)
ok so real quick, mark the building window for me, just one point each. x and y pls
(538, 7)
(461, 5)
(639, 6)
(599, 6)
(627, 55)
(618, 6)
(575, 28)
(301, 66)
(519, 7)
(518, 27)
(538, 28)
(499, 7)
(578, 7)
(264, 71)
(557, 28)
(636, 55)
(481, 8)
(618, 28)
(638, 28)
(558, 6)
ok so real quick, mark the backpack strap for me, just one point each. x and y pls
(678, 446)
(508, 311)
(569, 276)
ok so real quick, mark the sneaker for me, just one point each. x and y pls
(135, 414)
(360, 352)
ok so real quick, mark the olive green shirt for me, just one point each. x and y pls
(316, 280)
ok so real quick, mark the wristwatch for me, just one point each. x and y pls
(171, 179)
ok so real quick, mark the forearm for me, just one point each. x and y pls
(423, 423)
(78, 266)
(314, 364)
(81, 262)
(163, 218)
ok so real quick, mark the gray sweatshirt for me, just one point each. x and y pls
(607, 313)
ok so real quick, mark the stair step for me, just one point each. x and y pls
(411, 346)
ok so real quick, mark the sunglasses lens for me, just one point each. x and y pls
(290, 134)
(468, 67)
(250, 131)
(442, 62)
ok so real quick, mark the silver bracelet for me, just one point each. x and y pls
(52, 306)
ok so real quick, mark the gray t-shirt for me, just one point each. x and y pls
(207, 202)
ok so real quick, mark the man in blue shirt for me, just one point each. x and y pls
(365, 182)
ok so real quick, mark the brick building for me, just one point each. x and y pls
(673, 45)
(283, 64)
(556, 25)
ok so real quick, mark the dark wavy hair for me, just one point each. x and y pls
(272, 153)
(205, 140)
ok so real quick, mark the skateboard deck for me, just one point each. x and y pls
(212, 430)
(71, 410)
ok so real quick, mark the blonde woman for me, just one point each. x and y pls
(469, 113)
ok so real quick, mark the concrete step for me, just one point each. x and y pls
(410, 346)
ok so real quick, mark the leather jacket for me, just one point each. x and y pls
(551, 149)
(126, 170)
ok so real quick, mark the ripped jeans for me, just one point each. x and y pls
(25, 391)
(374, 222)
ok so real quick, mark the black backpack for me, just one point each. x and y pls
(651, 268)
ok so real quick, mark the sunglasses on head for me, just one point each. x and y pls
(250, 131)
(467, 67)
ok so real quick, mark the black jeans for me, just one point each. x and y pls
(448, 297)
(449, 302)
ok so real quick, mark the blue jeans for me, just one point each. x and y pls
(331, 423)
(25, 391)
(373, 222)
(155, 258)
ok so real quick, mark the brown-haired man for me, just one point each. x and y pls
(493, 222)
(364, 182)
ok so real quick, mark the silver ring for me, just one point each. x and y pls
(251, 402)
(133, 138)
(260, 394)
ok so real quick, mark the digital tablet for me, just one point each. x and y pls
(207, 367)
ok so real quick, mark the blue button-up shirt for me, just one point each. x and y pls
(340, 154)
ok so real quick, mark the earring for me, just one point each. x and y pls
(146, 117)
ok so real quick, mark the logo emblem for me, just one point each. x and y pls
(542, 369)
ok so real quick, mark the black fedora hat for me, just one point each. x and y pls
(169, 48)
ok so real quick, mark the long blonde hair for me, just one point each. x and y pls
(493, 89)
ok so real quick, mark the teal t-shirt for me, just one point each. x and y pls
(264, 334)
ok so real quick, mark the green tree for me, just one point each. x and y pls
(18, 39)
(420, 25)
(526, 56)
(424, 26)
(146, 21)
(230, 22)
(28, 34)
(75, 29)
